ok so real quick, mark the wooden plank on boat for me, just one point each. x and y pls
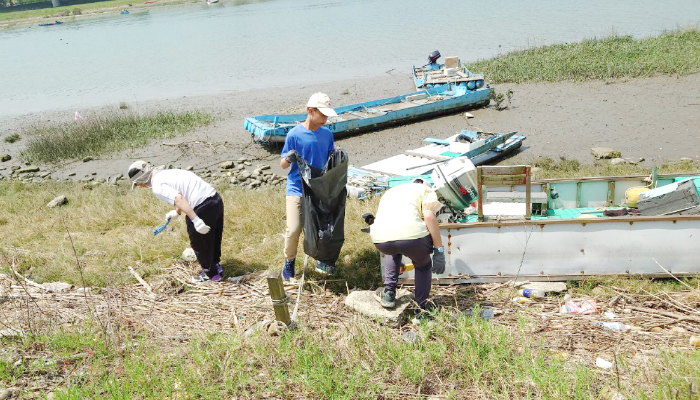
(451, 62)
(518, 179)
(515, 197)
(437, 141)
(503, 170)
(424, 155)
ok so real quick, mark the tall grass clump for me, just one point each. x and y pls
(106, 133)
(671, 53)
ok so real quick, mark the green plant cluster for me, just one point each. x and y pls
(671, 53)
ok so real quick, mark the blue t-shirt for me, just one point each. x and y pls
(312, 146)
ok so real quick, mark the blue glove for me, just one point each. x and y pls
(292, 156)
(438, 261)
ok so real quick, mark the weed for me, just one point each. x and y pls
(106, 133)
(12, 138)
(614, 57)
(123, 105)
(499, 98)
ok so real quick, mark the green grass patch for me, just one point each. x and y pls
(12, 138)
(105, 133)
(614, 57)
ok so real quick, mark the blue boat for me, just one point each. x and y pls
(376, 114)
(51, 23)
(452, 71)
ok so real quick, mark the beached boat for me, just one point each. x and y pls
(480, 147)
(377, 114)
(452, 71)
(571, 238)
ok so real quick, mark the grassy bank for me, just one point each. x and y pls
(672, 53)
(105, 133)
(75, 353)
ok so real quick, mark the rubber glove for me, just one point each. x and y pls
(171, 215)
(438, 263)
(203, 228)
(292, 156)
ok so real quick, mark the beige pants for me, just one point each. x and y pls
(294, 225)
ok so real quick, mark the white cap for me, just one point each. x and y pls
(136, 169)
(323, 103)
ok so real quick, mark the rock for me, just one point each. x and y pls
(92, 173)
(5, 394)
(641, 159)
(618, 161)
(169, 166)
(547, 287)
(5, 157)
(44, 174)
(15, 167)
(88, 158)
(31, 168)
(226, 165)
(410, 337)
(656, 329)
(604, 152)
(58, 201)
(686, 159)
(245, 175)
(264, 167)
(364, 302)
(71, 174)
(114, 179)
(242, 160)
(257, 171)
(248, 163)
(239, 167)
(189, 255)
(57, 286)
(189, 168)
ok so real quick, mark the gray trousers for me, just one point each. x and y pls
(419, 251)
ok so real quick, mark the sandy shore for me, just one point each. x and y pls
(655, 118)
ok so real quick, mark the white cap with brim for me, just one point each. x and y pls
(322, 102)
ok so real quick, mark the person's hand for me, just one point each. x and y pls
(438, 263)
(292, 156)
(203, 228)
(171, 215)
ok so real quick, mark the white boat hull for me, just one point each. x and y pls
(569, 249)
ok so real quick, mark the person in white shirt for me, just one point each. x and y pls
(199, 201)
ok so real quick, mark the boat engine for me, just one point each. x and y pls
(433, 57)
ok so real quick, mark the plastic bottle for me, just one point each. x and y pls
(521, 300)
(531, 293)
(612, 326)
(695, 341)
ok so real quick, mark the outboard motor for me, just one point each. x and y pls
(433, 57)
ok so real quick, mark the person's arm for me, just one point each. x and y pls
(431, 223)
(183, 205)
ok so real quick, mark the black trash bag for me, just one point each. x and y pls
(323, 206)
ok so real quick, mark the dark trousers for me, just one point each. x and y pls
(419, 251)
(208, 247)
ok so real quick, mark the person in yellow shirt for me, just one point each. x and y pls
(406, 225)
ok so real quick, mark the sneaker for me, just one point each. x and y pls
(219, 269)
(203, 278)
(288, 269)
(386, 298)
(325, 269)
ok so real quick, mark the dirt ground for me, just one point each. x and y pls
(654, 118)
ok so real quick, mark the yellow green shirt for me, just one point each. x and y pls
(400, 213)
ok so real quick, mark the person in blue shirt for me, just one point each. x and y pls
(313, 142)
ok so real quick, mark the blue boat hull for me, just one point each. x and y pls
(274, 128)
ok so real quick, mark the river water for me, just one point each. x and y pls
(196, 49)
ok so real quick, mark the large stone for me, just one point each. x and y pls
(114, 179)
(618, 161)
(226, 165)
(58, 201)
(547, 287)
(31, 168)
(264, 167)
(5, 157)
(87, 159)
(364, 302)
(605, 152)
(5, 394)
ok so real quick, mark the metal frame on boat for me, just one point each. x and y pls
(376, 114)
(574, 240)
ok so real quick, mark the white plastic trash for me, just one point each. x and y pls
(602, 363)
(450, 71)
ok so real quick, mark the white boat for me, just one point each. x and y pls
(571, 238)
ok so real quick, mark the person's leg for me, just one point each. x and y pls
(218, 236)
(419, 253)
(294, 225)
(392, 262)
(204, 245)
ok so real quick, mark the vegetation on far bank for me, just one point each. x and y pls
(614, 57)
(105, 133)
